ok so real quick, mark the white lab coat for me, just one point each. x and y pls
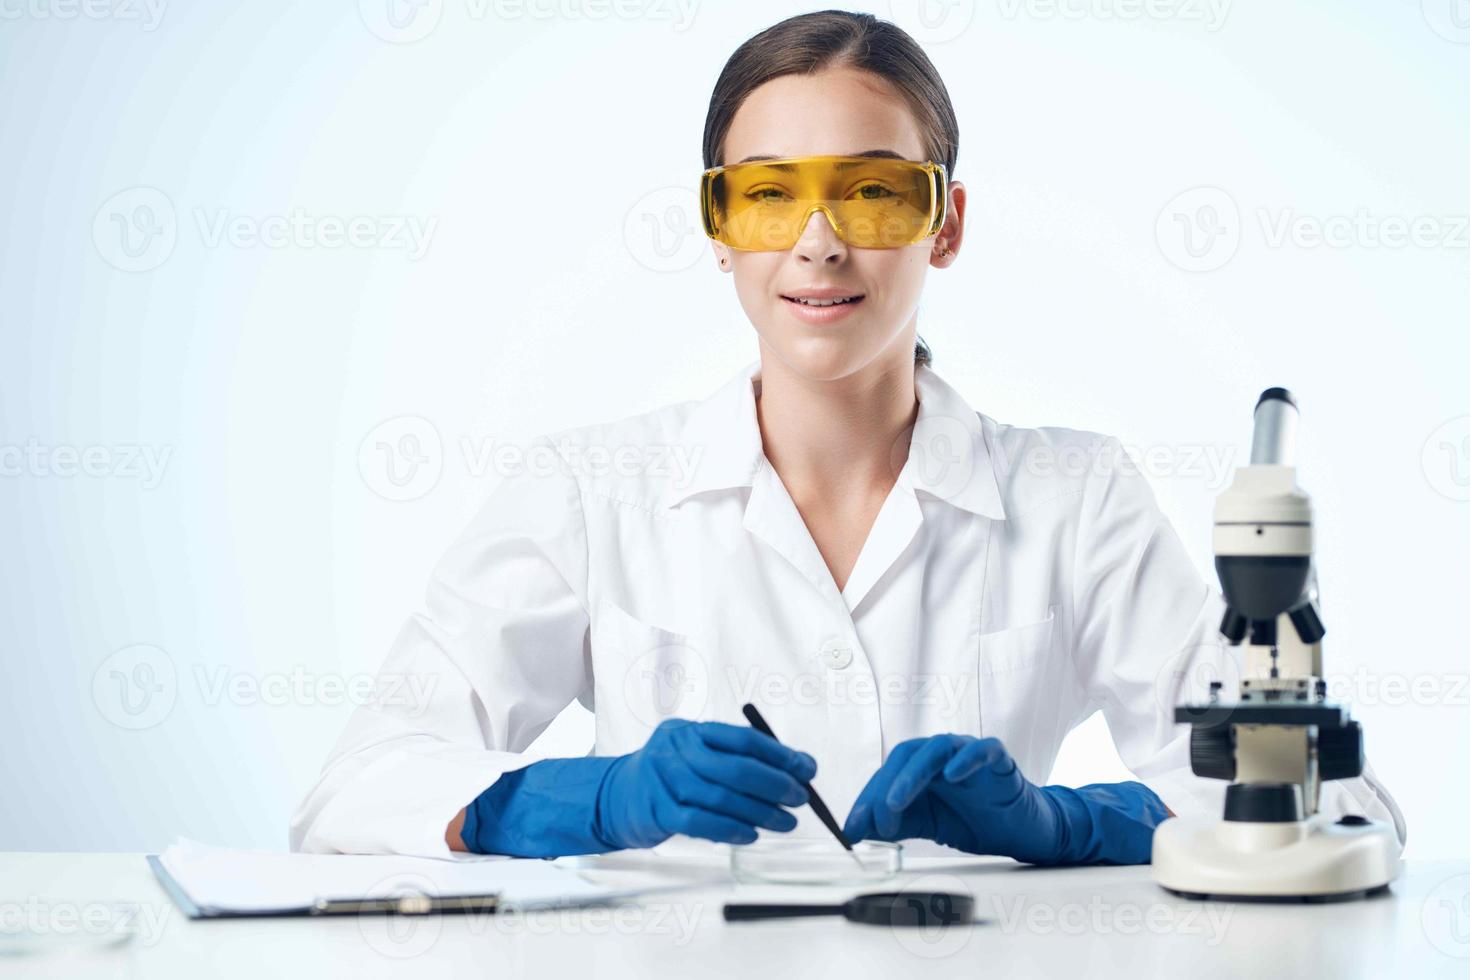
(1015, 581)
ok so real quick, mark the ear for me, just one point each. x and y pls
(722, 253)
(946, 248)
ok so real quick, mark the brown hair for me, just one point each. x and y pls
(810, 43)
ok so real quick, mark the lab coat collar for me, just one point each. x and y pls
(949, 451)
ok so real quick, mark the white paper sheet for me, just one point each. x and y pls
(222, 879)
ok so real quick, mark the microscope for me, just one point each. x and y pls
(1282, 738)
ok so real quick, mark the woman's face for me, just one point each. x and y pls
(842, 111)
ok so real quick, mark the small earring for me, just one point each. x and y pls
(944, 252)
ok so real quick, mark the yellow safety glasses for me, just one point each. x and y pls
(872, 202)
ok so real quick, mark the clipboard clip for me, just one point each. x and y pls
(409, 903)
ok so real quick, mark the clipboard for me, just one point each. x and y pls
(407, 904)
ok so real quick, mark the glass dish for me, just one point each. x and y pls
(814, 861)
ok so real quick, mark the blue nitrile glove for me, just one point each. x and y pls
(702, 779)
(968, 793)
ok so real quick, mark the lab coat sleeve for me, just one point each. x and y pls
(1146, 637)
(467, 685)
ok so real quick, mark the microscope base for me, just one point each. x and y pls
(1313, 860)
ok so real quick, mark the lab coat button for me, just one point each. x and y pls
(837, 657)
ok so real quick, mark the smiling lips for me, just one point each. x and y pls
(823, 305)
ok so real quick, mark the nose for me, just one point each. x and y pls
(819, 241)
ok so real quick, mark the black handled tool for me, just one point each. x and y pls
(875, 908)
(818, 807)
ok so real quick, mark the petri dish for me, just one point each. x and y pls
(814, 861)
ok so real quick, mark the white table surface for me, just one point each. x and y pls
(1035, 923)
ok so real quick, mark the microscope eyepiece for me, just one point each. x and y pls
(1276, 394)
(1273, 442)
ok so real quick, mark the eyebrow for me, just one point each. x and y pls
(877, 154)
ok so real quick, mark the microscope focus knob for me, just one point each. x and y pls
(1340, 752)
(1212, 751)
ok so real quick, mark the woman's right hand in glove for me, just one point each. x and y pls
(701, 779)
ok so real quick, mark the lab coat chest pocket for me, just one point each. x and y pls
(1019, 684)
(643, 674)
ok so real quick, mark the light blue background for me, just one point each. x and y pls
(261, 547)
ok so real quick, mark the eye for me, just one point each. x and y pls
(874, 192)
(767, 195)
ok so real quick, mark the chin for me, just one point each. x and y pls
(825, 357)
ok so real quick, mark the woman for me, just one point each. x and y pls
(920, 597)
